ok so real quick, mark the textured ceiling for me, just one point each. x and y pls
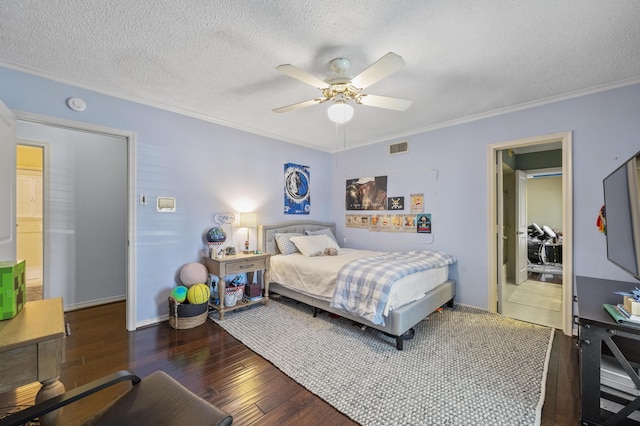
(216, 59)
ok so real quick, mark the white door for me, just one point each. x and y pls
(521, 226)
(499, 228)
(7, 184)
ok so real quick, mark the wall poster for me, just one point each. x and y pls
(410, 223)
(296, 189)
(357, 221)
(367, 193)
(417, 203)
(424, 223)
(395, 203)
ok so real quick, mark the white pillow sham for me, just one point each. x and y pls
(314, 245)
(284, 244)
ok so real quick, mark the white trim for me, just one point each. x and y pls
(98, 302)
(153, 321)
(131, 196)
(567, 220)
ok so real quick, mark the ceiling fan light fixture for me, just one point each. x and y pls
(340, 112)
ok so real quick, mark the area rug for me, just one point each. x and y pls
(465, 366)
(537, 294)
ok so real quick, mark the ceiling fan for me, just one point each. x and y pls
(342, 87)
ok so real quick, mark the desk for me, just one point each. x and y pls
(32, 349)
(596, 328)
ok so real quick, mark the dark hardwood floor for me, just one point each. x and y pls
(214, 365)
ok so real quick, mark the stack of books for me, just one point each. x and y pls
(621, 315)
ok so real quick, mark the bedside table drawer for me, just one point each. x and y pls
(245, 265)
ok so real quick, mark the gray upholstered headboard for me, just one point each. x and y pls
(267, 244)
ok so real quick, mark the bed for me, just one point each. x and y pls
(413, 297)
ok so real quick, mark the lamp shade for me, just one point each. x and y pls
(248, 220)
(340, 112)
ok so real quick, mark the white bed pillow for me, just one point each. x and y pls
(314, 245)
(284, 243)
(323, 231)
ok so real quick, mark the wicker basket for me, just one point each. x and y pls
(238, 291)
(185, 315)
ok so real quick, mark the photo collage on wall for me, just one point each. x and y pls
(297, 199)
(370, 193)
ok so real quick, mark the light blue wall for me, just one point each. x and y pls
(211, 168)
(606, 131)
(208, 168)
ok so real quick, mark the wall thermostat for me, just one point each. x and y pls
(76, 104)
(166, 204)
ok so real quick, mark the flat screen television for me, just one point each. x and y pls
(622, 212)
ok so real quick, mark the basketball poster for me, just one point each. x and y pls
(296, 189)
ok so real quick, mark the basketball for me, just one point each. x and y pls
(198, 294)
(194, 273)
(179, 293)
(216, 235)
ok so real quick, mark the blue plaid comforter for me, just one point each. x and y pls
(363, 285)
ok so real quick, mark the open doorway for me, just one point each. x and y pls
(532, 254)
(88, 211)
(509, 243)
(29, 215)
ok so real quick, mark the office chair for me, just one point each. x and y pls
(158, 399)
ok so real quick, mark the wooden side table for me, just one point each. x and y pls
(238, 264)
(32, 349)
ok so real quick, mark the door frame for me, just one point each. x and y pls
(8, 166)
(521, 208)
(130, 137)
(565, 138)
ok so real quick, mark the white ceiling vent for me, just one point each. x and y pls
(399, 148)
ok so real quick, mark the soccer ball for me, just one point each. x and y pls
(179, 293)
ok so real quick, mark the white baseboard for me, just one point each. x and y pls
(89, 304)
(152, 321)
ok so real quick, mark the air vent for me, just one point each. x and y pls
(399, 148)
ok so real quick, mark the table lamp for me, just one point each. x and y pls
(247, 220)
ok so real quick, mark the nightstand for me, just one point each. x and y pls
(238, 264)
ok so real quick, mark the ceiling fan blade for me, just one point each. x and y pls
(299, 105)
(384, 102)
(383, 67)
(303, 76)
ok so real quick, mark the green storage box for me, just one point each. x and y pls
(13, 285)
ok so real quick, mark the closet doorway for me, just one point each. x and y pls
(88, 211)
(29, 215)
(530, 182)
